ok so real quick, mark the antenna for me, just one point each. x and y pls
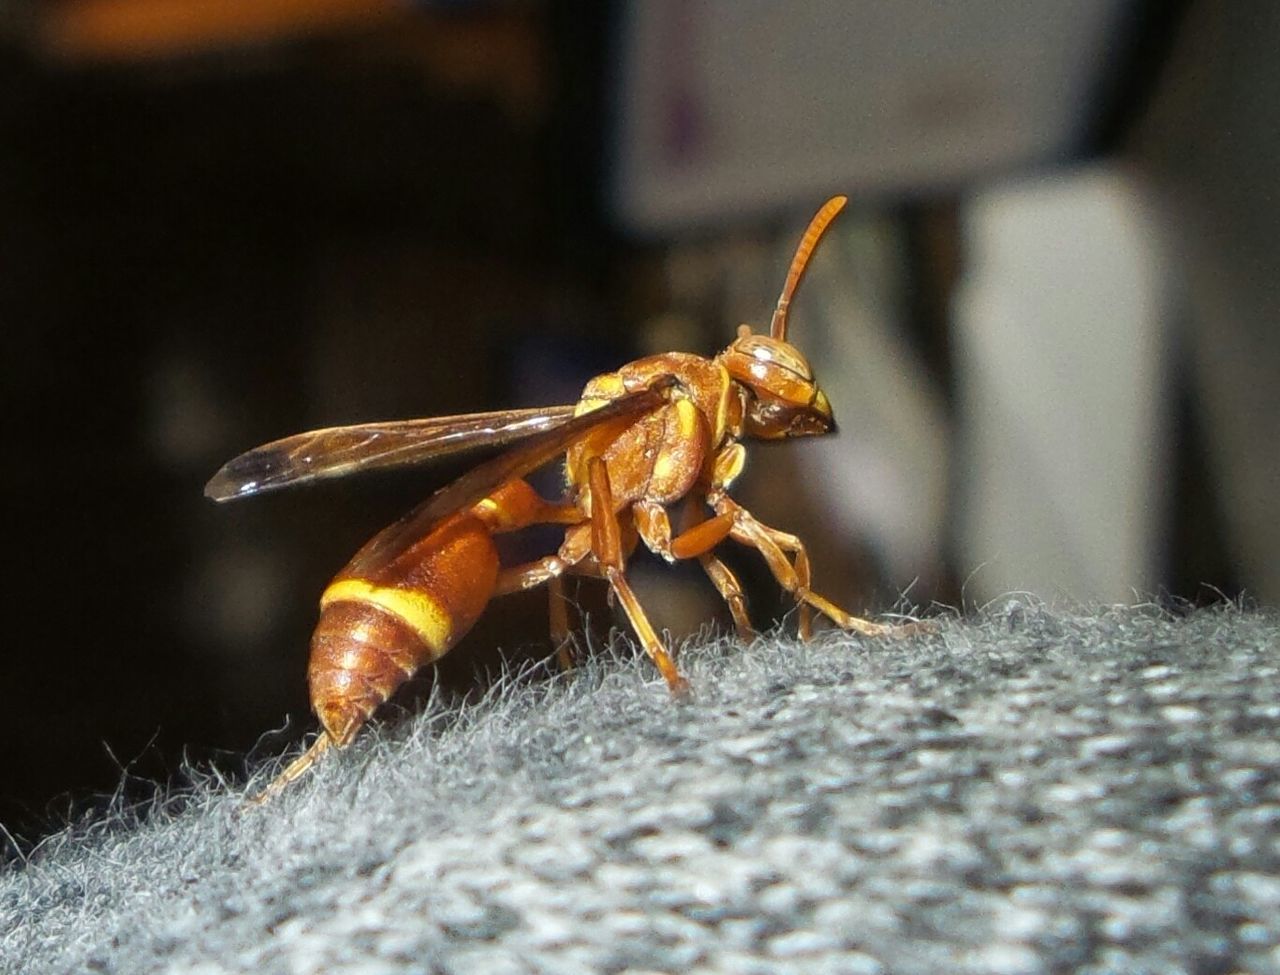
(817, 227)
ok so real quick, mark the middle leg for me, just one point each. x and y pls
(696, 541)
(606, 545)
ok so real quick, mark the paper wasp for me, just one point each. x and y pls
(662, 430)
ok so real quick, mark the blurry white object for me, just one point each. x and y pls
(1212, 149)
(888, 470)
(1061, 356)
(728, 107)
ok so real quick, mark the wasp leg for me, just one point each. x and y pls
(792, 544)
(606, 545)
(702, 538)
(546, 571)
(549, 571)
(696, 541)
(530, 575)
(725, 469)
(730, 590)
(295, 769)
(654, 527)
(558, 608)
(773, 545)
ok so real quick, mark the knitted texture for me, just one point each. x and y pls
(1028, 791)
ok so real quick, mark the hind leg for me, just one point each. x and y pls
(548, 571)
(295, 769)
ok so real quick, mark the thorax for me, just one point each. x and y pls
(704, 411)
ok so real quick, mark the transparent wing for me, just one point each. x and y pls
(338, 451)
(539, 449)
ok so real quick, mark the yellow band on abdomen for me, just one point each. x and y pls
(417, 610)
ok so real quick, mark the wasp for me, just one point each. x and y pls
(662, 431)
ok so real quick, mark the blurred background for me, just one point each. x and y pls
(1046, 323)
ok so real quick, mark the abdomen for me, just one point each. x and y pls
(375, 631)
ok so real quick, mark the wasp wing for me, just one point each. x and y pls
(338, 451)
(479, 482)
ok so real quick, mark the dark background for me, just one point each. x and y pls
(208, 247)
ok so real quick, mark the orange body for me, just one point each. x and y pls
(377, 628)
(660, 431)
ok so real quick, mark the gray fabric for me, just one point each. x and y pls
(1025, 792)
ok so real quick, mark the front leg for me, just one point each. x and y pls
(774, 545)
(726, 467)
(654, 527)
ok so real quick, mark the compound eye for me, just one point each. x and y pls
(780, 354)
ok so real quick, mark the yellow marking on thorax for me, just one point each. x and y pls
(728, 465)
(722, 405)
(417, 610)
(686, 418)
(686, 429)
(602, 389)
